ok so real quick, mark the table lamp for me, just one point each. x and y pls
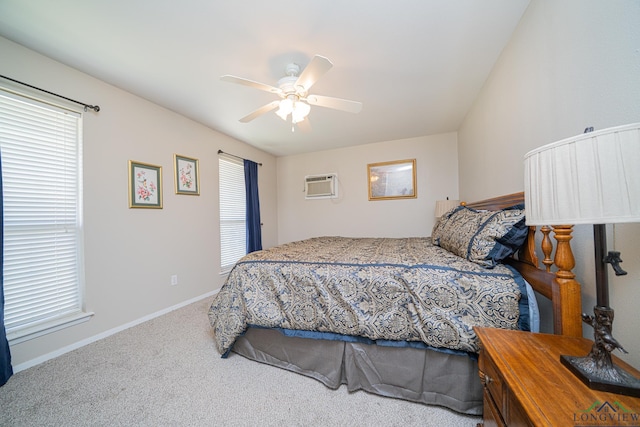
(592, 178)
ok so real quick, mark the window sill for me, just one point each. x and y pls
(44, 328)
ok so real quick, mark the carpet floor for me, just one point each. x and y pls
(167, 372)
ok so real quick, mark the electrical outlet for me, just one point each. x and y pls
(174, 280)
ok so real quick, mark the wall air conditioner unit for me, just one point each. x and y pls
(321, 186)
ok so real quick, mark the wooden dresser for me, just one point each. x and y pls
(526, 385)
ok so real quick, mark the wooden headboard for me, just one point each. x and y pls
(555, 280)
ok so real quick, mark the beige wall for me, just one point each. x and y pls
(570, 64)
(130, 254)
(352, 214)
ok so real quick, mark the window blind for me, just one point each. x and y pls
(233, 229)
(41, 171)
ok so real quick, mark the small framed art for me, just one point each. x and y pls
(145, 185)
(186, 175)
(392, 180)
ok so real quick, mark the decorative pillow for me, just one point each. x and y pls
(484, 237)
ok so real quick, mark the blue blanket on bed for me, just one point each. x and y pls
(393, 289)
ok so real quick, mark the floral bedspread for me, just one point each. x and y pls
(400, 289)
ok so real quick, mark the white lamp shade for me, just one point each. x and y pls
(300, 111)
(286, 107)
(592, 178)
(444, 206)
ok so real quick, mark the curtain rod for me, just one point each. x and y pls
(237, 157)
(95, 108)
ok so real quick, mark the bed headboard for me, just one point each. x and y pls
(555, 280)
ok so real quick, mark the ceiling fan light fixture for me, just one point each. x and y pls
(300, 111)
(292, 105)
(286, 107)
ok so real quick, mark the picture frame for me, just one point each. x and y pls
(186, 175)
(392, 180)
(145, 185)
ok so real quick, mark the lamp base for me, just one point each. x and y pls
(597, 369)
(612, 380)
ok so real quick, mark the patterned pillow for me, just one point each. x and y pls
(484, 237)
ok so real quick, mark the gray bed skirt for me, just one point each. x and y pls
(423, 376)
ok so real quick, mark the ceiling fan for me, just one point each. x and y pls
(293, 90)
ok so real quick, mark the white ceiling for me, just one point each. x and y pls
(416, 65)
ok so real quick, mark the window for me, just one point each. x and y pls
(233, 228)
(41, 172)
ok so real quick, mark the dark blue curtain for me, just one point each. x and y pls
(5, 354)
(254, 232)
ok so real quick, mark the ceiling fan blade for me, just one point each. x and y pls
(335, 103)
(246, 82)
(318, 66)
(260, 111)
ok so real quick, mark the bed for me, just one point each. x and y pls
(395, 317)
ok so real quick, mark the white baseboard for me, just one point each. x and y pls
(82, 343)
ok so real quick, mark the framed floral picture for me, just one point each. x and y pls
(145, 185)
(187, 175)
(392, 180)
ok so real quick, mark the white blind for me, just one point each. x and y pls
(41, 170)
(233, 229)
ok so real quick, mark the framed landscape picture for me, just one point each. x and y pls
(392, 180)
(186, 175)
(145, 185)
